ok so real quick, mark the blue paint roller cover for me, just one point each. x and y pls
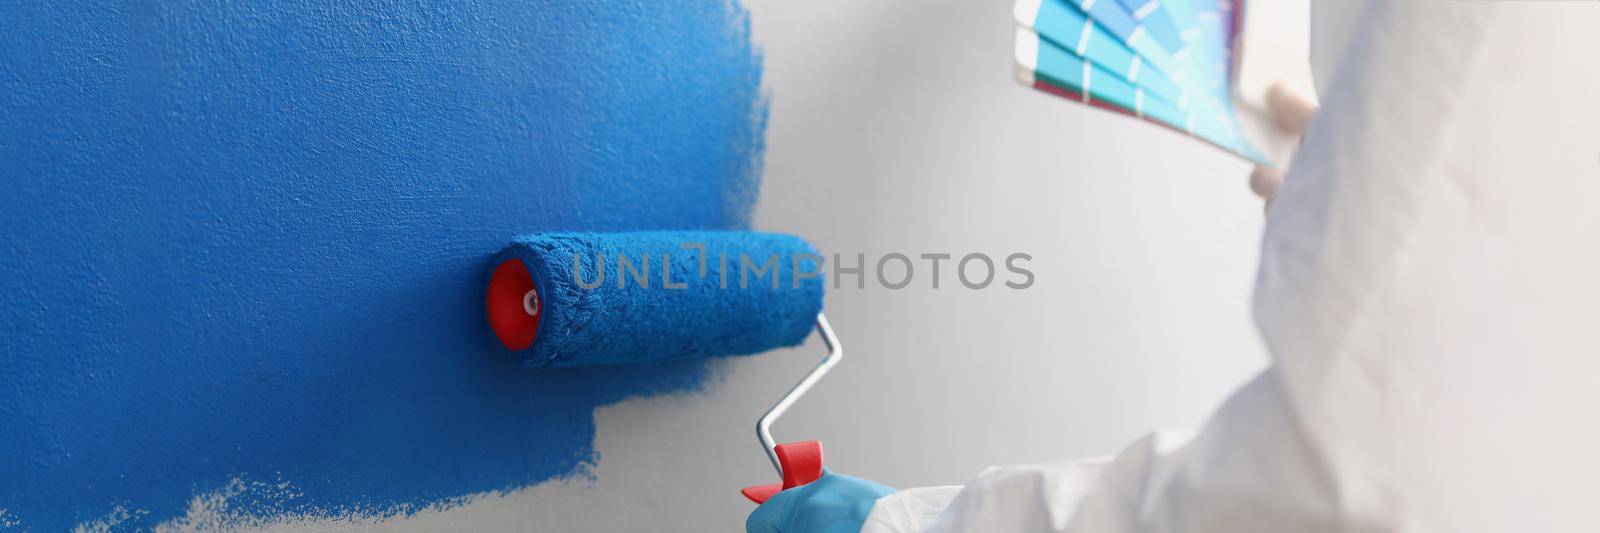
(608, 298)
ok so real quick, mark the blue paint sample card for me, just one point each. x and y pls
(1165, 61)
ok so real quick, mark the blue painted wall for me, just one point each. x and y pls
(247, 241)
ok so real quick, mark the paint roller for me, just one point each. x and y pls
(579, 299)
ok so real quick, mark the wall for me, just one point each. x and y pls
(904, 131)
(894, 127)
(244, 244)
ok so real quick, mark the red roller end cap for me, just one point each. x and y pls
(514, 305)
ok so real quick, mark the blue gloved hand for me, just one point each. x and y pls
(834, 503)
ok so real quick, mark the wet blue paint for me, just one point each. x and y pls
(248, 241)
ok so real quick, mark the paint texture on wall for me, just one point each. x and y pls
(247, 242)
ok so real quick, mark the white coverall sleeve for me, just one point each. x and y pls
(1429, 292)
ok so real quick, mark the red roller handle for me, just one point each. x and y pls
(801, 463)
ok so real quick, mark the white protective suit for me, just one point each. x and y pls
(1429, 291)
